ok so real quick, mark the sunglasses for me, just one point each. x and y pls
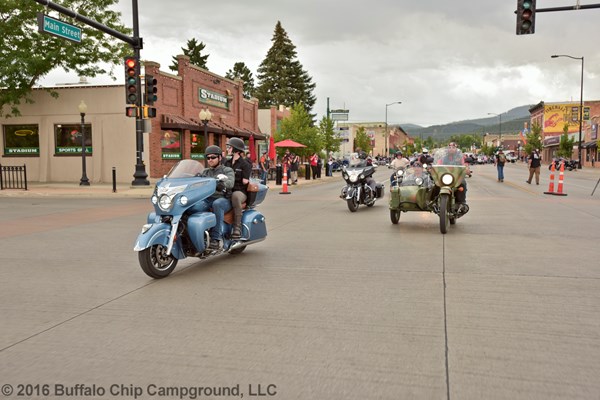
(212, 157)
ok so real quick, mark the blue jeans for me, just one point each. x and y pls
(220, 206)
(263, 177)
(500, 171)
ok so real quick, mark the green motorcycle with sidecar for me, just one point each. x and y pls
(431, 188)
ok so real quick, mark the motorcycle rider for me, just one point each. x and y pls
(400, 161)
(364, 162)
(242, 169)
(453, 156)
(218, 202)
(425, 157)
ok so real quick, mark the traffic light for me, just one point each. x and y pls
(131, 81)
(525, 17)
(151, 90)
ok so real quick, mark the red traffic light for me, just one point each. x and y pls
(132, 95)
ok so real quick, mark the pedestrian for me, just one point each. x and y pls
(286, 163)
(294, 165)
(535, 162)
(500, 161)
(330, 164)
(264, 168)
(314, 165)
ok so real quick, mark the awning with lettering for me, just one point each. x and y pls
(170, 121)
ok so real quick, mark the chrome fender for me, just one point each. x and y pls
(153, 234)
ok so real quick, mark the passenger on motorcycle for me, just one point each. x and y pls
(242, 169)
(417, 172)
(453, 156)
(218, 202)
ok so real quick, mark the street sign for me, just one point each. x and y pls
(47, 24)
(339, 115)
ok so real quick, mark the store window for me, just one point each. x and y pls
(21, 140)
(170, 144)
(68, 139)
(197, 146)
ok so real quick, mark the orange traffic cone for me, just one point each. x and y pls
(560, 180)
(284, 188)
(551, 185)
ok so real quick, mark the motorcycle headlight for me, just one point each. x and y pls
(345, 176)
(164, 202)
(362, 176)
(419, 181)
(447, 179)
(183, 200)
(399, 173)
(154, 200)
(353, 178)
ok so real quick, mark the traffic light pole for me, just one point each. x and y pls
(135, 42)
(140, 176)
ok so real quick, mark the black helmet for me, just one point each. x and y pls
(213, 150)
(237, 144)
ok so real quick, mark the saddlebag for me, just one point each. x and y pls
(379, 190)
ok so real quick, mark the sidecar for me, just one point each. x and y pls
(411, 190)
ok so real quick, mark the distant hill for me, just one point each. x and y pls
(512, 121)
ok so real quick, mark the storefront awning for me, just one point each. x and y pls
(588, 145)
(170, 121)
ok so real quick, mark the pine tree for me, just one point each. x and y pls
(282, 80)
(194, 52)
(241, 71)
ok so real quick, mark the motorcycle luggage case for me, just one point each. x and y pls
(380, 190)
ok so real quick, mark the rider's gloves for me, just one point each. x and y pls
(222, 177)
(220, 186)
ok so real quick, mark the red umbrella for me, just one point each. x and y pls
(252, 149)
(272, 148)
(288, 143)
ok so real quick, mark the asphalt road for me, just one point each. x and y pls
(333, 305)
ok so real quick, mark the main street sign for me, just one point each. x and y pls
(47, 24)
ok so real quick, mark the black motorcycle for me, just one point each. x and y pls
(359, 189)
(569, 164)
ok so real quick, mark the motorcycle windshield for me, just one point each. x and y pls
(415, 176)
(186, 169)
(446, 156)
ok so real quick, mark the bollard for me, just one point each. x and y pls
(278, 175)
(114, 179)
(307, 171)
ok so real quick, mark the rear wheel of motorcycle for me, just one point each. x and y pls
(352, 204)
(155, 262)
(395, 216)
(444, 202)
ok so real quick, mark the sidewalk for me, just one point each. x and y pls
(105, 190)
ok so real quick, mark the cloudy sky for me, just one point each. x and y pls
(445, 60)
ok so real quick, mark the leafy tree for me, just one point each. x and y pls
(194, 52)
(281, 78)
(534, 138)
(298, 127)
(27, 55)
(565, 147)
(241, 71)
(361, 139)
(331, 142)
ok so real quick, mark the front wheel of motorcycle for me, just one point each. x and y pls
(395, 216)
(155, 262)
(352, 204)
(444, 204)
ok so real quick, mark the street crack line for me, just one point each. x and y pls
(445, 318)
(75, 316)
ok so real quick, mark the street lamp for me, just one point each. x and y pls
(84, 179)
(385, 136)
(500, 135)
(205, 116)
(519, 149)
(580, 104)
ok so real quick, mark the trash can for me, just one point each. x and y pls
(307, 169)
(278, 175)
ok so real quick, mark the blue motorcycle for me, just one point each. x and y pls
(179, 226)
